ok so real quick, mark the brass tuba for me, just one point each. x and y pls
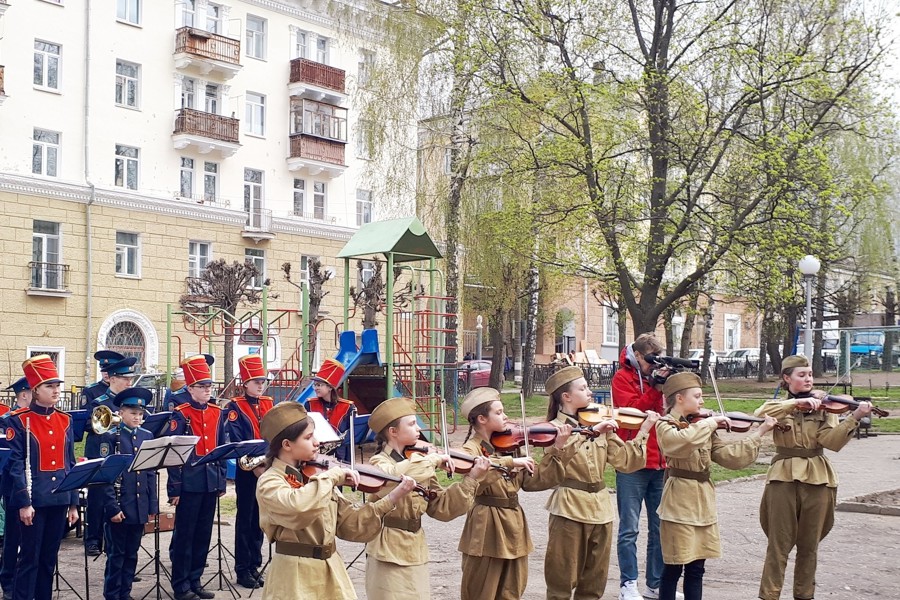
(103, 419)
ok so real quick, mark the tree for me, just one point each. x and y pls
(224, 287)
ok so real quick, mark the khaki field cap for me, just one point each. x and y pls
(792, 362)
(680, 381)
(279, 418)
(476, 398)
(562, 377)
(389, 411)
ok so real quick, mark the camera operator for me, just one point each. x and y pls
(638, 384)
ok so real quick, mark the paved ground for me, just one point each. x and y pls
(857, 560)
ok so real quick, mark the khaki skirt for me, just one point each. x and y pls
(682, 544)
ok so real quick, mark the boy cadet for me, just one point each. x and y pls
(98, 388)
(244, 415)
(131, 501)
(11, 524)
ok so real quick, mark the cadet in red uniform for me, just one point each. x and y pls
(43, 449)
(193, 489)
(244, 414)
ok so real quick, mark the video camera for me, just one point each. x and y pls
(674, 365)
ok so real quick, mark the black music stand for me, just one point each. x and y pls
(154, 455)
(97, 471)
(234, 450)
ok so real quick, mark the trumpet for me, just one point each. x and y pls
(103, 419)
(248, 463)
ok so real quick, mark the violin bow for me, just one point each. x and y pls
(524, 423)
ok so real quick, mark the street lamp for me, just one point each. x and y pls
(478, 328)
(809, 265)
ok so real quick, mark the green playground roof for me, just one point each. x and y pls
(405, 238)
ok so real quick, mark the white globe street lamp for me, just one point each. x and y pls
(809, 265)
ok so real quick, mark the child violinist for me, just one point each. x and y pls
(801, 489)
(495, 542)
(689, 530)
(303, 519)
(397, 560)
(581, 513)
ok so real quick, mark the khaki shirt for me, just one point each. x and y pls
(503, 532)
(811, 430)
(694, 448)
(406, 548)
(313, 514)
(588, 464)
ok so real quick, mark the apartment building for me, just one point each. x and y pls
(139, 140)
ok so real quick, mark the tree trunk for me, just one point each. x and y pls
(531, 325)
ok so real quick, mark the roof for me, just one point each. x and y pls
(406, 238)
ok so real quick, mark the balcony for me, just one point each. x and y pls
(2, 91)
(206, 132)
(48, 279)
(258, 225)
(316, 155)
(316, 81)
(207, 52)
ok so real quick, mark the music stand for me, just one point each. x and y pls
(97, 471)
(154, 455)
(234, 450)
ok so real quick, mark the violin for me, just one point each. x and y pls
(371, 479)
(740, 422)
(462, 461)
(840, 404)
(539, 436)
(625, 417)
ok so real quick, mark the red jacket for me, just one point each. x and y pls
(629, 388)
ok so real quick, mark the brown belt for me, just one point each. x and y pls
(511, 502)
(685, 474)
(410, 525)
(305, 550)
(584, 486)
(782, 453)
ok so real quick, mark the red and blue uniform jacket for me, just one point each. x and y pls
(207, 421)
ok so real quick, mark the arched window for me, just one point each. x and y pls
(127, 339)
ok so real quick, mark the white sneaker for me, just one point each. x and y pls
(629, 591)
(653, 594)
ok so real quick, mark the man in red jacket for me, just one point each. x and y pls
(632, 385)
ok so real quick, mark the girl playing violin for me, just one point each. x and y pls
(495, 542)
(581, 514)
(801, 489)
(397, 560)
(689, 530)
(303, 519)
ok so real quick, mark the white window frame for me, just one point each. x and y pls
(255, 114)
(60, 351)
(131, 15)
(195, 258)
(254, 37)
(124, 250)
(126, 163)
(320, 192)
(260, 261)
(46, 148)
(48, 59)
(363, 198)
(610, 326)
(188, 170)
(210, 176)
(123, 82)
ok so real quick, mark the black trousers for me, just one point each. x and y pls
(248, 537)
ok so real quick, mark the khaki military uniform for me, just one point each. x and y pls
(397, 561)
(689, 528)
(495, 541)
(581, 514)
(305, 521)
(801, 490)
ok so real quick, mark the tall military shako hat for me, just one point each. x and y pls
(389, 411)
(793, 362)
(135, 397)
(19, 386)
(105, 357)
(251, 367)
(40, 369)
(196, 369)
(120, 367)
(330, 372)
(562, 377)
(680, 382)
(282, 416)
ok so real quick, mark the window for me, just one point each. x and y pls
(188, 86)
(129, 11)
(211, 104)
(256, 37)
(364, 139)
(363, 207)
(366, 272)
(257, 258)
(322, 50)
(127, 254)
(610, 326)
(304, 267)
(45, 153)
(214, 18)
(198, 257)
(210, 181)
(365, 68)
(46, 272)
(299, 196)
(127, 77)
(126, 174)
(319, 200)
(46, 64)
(253, 191)
(319, 119)
(301, 44)
(256, 113)
(186, 188)
(188, 12)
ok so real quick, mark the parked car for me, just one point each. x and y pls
(473, 374)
